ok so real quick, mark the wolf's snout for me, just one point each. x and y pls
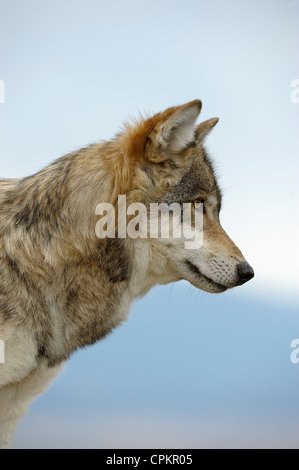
(245, 272)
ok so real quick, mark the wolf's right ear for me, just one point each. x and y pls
(173, 132)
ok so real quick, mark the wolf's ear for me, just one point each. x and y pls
(204, 128)
(173, 131)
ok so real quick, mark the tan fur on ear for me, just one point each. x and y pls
(178, 131)
(166, 132)
(204, 128)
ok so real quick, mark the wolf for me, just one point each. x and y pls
(61, 286)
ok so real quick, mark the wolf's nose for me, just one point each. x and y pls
(245, 272)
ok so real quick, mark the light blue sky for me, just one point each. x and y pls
(74, 71)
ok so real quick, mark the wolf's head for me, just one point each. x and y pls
(166, 163)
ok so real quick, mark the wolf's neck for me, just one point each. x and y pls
(150, 267)
(51, 214)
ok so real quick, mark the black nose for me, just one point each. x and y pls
(245, 272)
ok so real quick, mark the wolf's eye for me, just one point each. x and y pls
(198, 203)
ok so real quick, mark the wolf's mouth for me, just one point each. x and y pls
(196, 271)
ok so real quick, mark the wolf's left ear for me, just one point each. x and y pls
(174, 130)
(204, 128)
